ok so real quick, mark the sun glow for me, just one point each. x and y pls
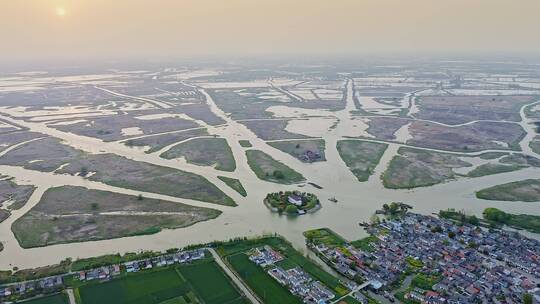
(60, 11)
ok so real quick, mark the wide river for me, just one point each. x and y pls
(356, 201)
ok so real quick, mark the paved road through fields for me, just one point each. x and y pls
(245, 289)
(71, 296)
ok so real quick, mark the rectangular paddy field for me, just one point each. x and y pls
(211, 284)
(198, 283)
(268, 289)
(56, 299)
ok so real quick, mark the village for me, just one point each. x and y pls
(53, 284)
(295, 279)
(423, 259)
(410, 258)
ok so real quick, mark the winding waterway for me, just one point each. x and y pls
(356, 201)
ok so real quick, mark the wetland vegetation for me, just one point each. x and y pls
(413, 168)
(115, 170)
(308, 151)
(244, 143)
(269, 169)
(361, 156)
(525, 191)
(74, 214)
(235, 184)
(204, 151)
(158, 142)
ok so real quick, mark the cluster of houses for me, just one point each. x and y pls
(265, 256)
(302, 284)
(347, 260)
(360, 297)
(56, 283)
(101, 273)
(469, 264)
(422, 296)
(165, 260)
(44, 285)
(295, 279)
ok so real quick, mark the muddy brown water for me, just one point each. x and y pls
(356, 201)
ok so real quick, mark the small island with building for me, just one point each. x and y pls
(292, 202)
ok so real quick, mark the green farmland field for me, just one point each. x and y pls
(268, 289)
(142, 288)
(324, 236)
(210, 283)
(56, 299)
(201, 282)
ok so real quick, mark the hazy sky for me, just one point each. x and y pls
(76, 29)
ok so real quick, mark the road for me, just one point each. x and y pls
(236, 280)
(71, 296)
(353, 291)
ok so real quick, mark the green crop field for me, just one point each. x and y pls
(324, 236)
(142, 288)
(269, 169)
(268, 289)
(210, 283)
(56, 299)
(245, 143)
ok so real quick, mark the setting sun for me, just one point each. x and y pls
(60, 11)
